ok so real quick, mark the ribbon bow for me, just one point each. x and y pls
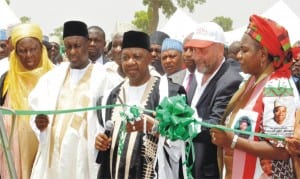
(176, 123)
(175, 118)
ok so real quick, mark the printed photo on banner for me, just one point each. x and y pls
(266, 166)
(278, 115)
(245, 120)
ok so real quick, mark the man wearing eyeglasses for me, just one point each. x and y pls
(54, 50)
(4, 51)
(216, 83)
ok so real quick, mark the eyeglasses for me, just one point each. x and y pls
(53, 46)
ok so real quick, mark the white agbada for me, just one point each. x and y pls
(74, 156)
(4, 65)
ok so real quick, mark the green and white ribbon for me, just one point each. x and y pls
(175, 122)
(162, 113)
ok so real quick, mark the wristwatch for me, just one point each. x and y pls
(234, 141)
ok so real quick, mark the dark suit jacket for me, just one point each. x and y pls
(297, 83)
(210, 108)
(235, 64)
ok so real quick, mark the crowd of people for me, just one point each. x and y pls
(250, 87)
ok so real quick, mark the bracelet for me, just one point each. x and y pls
(234, 141)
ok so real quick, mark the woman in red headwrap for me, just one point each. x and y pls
(266, 55)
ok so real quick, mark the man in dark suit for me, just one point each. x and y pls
(216, 84)
(96, 45)
(296, 66)
(189, 81)
(156, 40)
(232, 58)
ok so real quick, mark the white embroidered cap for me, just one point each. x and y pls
(206, 34)
(279, 102)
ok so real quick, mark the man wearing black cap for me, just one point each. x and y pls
(67, 140)
(136, 158)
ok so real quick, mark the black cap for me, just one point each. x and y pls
(158, 37)
(75, 28)
(132, 39)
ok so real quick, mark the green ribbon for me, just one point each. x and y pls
(162, 114)
(175, 119)
(134, 112)
(160, 110)
(50, 112)
(223, 128)
(175, 122)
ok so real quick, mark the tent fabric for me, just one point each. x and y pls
(179, 25)
(10, 17)
(280, 13)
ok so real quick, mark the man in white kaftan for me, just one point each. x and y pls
(66, 141)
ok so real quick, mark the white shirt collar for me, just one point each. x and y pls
(100, 60)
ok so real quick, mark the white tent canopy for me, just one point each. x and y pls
(122, 27)
(8, 17)
(280, 13)
(179, 25)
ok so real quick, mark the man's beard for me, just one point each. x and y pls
(157, 65)
(202, 70)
